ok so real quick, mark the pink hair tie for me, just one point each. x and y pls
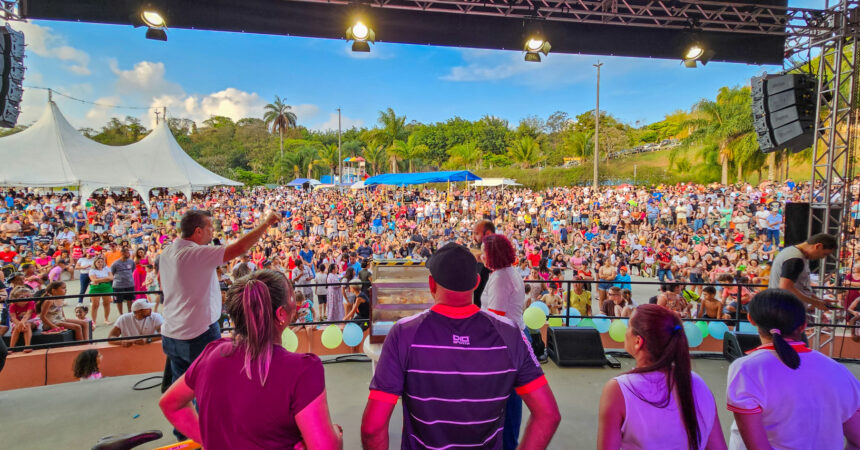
(775, 331)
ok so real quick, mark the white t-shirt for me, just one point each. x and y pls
(100, 273)
(801, 408)
(647, 426)
(505, 293)
(86, 263)
(129, 326)
(192, 297)
(761, 219)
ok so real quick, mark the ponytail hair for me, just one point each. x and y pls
(666, 343)
(779, 314)
(252, 302)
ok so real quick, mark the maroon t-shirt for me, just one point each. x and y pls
(237, 412)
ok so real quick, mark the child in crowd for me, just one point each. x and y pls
(711, 307)
(305, 314)
(53, 318)
(81, 312)
(23, 316)
(553, 300)
(87, 365)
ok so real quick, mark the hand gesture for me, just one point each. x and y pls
(272, 218)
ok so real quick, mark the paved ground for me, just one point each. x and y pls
(75, 415)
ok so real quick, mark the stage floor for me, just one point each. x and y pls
(75, 415)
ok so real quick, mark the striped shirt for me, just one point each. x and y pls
(454, 367)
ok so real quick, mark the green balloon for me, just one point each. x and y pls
(556, 322)
(617, 330)
(704, 327)
(331, 337)
(289, 340)
(534, 318)
(585, 323)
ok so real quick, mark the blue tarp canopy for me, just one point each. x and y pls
(301, 181)
(403, 179)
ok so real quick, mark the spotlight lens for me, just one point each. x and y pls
(694, 52)
(534, 44)
(360, 31)
(152, 19)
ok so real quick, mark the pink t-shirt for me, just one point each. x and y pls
(236, 412)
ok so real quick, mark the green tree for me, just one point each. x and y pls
(408, 150)
(375, 157)
(393, 128)
(279, 116)
(327, 157)
(464, 155)
(525, 151)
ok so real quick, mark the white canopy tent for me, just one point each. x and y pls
(491, 182)
(51, 153)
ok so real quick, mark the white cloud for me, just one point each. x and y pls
(306, 111)
(145, 79)
(98, 115)
(345, 123)
(42, 41)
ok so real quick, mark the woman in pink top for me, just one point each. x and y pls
(251, 392)
(661, 403)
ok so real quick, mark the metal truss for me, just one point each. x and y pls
(9, 10)
(832, 149)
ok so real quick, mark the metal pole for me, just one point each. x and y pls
(634, 174)
(597, 125)
(339, 157)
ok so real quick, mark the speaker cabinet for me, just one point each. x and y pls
(737, 344)
(571, 346)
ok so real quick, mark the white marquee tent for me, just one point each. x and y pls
(51, 153)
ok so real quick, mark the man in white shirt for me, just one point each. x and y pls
(141, 321)
(192, 296)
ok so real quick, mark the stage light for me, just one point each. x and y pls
(696, 51)
(152, 19)
(534, 46)
(361, 35)
(156, 34)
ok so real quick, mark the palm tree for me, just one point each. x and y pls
(375, 156)
(393, 128)
(278, 114)
(465, 154)
(525, 151)
(327, 157)
(727, 122)
(407, 150)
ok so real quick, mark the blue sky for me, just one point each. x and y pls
(199, 73)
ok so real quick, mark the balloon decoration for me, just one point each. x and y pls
(694, 334)
(331, 337)
(602, 325)
(574, 316)
(289, 340)
(352, 334)
(703, 327)
(586, 323)
(534, 317)
(617, 330)
(542, 307)
(746, 327)
(556, 322)
(718, 329)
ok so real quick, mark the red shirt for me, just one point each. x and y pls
(534, 259)
(8, 256)
(665, 260)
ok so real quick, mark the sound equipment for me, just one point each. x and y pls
(737, 344)
(797, 222)
(11, 75)
(783, 109)
(572, 346)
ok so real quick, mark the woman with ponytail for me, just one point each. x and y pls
(251, 392)
(784, 395)
(661, 403)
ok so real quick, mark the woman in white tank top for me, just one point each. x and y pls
(661, 403)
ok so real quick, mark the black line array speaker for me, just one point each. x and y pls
(797, 222)
(11, 75)
(737, 344)
(783, 109)
(572, 346)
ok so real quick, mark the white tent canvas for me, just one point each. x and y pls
(52, 153)
(488, 182)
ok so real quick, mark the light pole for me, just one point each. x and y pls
(339, 158)
(597, 125)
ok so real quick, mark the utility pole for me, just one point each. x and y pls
(597, 125)
(156, 117)
(339, 157)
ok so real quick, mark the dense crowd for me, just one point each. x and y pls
(682, 233)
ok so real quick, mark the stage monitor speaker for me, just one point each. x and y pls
(737, 344)
(572, 346)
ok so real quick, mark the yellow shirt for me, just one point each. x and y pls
(580, 302)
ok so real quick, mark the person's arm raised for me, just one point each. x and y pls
(244, 243)
(544, 418)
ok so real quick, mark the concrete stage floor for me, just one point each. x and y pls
(75, 415)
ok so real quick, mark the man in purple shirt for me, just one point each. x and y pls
(455, 367)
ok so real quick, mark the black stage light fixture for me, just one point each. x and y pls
(153, 19)
(535, 42)
(696, 51)
(11, 74)
(362, 36)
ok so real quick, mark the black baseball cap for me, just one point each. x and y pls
(454, 268)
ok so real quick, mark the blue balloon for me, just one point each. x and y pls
(694, 334)
(746, 327)
(352, 334)
(602, 325)
(542, 307)
(717, 329)
(574, 317)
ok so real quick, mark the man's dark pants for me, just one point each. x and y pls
(181, 353)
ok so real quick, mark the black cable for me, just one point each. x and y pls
(137, 387)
